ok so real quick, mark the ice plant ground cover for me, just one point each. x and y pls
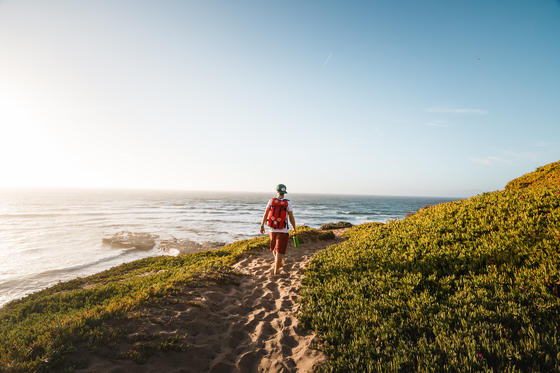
(465, 286)
(548, 175)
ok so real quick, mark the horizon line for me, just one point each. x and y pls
(222, 191)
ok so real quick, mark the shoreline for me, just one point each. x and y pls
(66, 231)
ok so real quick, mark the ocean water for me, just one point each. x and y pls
(48, 235)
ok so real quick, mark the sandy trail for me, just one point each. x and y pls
(249, 327)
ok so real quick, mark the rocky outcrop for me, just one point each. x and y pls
(340, 224)
(131, 240)
(188, 246)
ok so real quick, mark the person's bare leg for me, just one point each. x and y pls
(277, 263)
(273, 268)
(281, 261)
(272, 244)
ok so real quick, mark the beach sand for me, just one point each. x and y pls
(244, 327)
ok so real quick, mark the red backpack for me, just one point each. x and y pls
(277, 215)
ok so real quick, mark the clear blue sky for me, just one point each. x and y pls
(435, 98)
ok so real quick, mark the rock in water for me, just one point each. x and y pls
(188, 246)
(127, 240)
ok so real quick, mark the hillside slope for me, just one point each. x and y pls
(466, 286)
(545, 176)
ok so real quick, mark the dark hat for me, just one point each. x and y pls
(281, 188)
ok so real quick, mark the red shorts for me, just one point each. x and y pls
(279, 242)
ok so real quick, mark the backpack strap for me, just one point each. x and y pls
(286, 223)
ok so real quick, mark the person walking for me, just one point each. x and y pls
(276, 214)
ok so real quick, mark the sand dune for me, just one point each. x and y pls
(249, 327)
